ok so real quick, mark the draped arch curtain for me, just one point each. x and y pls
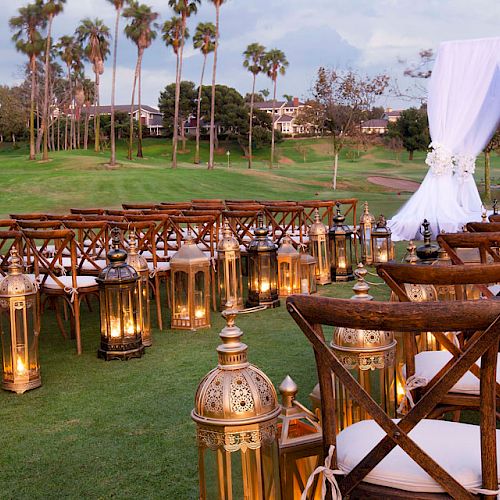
(464, 112)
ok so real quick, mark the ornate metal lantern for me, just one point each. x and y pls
(236, 414)
(288, 268)
(427, 251)
(262, 269)
(19, 329)
(140, 264)
(229, 270)
(369, 355)
(340, 236)
(121, 336)
(300, 444)
(308, 265)
(411, 254)
(190, 269)
(318, 246)
(382, 247)
(366, 226)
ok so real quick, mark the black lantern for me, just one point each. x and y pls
(119, 308)
(340, 236)
(383, 250)
(262, 269)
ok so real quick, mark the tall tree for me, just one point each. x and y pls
(204, 40)
(254, 62)
(275, 64)
(88, 88)
(50, 9)
(118, 5)
(413, 130)
(26, 27)
(141, 32)
(183, 8)
(95, 35)
(217, 4)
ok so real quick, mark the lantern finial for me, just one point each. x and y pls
(15, 266)
(288, 390)
(361, 288)
(411, 258)
(484, 215)
(365, 208)
(132, 244)
(317, 218)
(232, 352)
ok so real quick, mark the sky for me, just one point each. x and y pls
(370, 36)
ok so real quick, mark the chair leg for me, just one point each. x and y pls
(76, 315)
(59, 320)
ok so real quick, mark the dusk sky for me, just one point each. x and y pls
(367, 35)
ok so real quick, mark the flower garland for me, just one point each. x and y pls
(465, 165)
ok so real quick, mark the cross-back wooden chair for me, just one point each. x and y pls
(166, 238)
(241, 207)
(179, 205)
(87, 211)
(64, 217)
(165, 210)
(9, 239)
(237, 202)
(483, 227)
(53, 278)
(286, 220)
(242, 224)
(138, 206)
(471, 247)
(324, 207)
(122, 213)
(424, 364)
(29, 216)
(207, 201)
(7, 224)
(439, 459)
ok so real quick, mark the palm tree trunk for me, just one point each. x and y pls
(78, 127)
(212, 107)
(139, 139)
(97, 121)
(178, 74)
(131, 127)
(251, 123)
(112, 161)
(487, 180)
(59, 131)
(32, 108)
(198, 112)
(65, 131)
(335, 169)
(86, 127)
(272, 124)
(71, 111)
(45, 116)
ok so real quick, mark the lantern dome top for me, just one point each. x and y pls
(338, 226)
(317, 227)
(287, 247)
(189, 253)
(228, 243)
(117, 271)
(261, 242)
(134, 258)
(236, 392)
(366, 216)
(382, 226)
(16, 283)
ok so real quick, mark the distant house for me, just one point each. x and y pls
(392, 115)
(151, 118)
(375, 126)
(285, 114)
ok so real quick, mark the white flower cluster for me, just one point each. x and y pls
(439, 159)
(465, 165)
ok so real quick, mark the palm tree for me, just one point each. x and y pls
(172, 34)
(50, 9)
(275, 63)
(28, 40)
(203, 39)
(184, 8)
(140, 31)
(88, 88)
(95, 34)
(254, 63)
(118, 5)
(217, 4)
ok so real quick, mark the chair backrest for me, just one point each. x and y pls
(145, 232)
(122, 213)
(285, 219)
(242, 224)
(180, 205)
(39, 224)
(202, 229)
(494, 218)
(351, 206)
(9, 239)
(241, 207)
(165, 237)
(483, 227)
(207, 201)
(484, 246)
(29, 216)
(87, 211)
(7, 224)
(324, 207)
(480, 317)
(64, 217)
(138, 206)
(106, 218)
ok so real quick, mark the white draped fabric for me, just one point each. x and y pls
(464, 112)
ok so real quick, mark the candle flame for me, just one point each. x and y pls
(20, 367)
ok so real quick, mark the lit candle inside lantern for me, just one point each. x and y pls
(382, 254)
(264, 286)
(304, 285)
(341, 262)
(130, 327)
(199, 313)
(115, 328)
(20, 367)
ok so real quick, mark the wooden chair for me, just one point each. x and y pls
(87, 211)
(242, 224)
(179, 205)
(104, 217)
(64, 217)
(450, 453)
(138, 206)
(122, 213)
(29, 216)
(425, 365)
(8, 224)
(53, 280)
(494, 218)
(483, 227)
(9, 239)
(286, 220)
(324, 207)
(471, 247)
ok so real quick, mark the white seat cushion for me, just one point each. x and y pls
(67, 281)
(454, 446)
(428, 363)
(160, 266)
(87, 266)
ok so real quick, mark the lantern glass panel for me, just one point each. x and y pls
(200, 309)
(144, 307)
(319, 250)
(230, 286)
(367, 245)
(180, 307)
(381, 249)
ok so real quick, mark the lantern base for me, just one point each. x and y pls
(148, 342)
(20, 387)
(271, 304)
(341, 278)
(125, 355)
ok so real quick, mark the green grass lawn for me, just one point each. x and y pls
(100, 429)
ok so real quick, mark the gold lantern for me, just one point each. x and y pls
(140, 264)
(300, 444)
(288, 268)
(366, 226)
(369, 355)
(121, 336)
(340, 236)
(318, 246)
(19, 329)
(229, 270)
(382, 247)
(236, 414)
(411, 254)
(308, 265)
(262, 269)
(190, 269)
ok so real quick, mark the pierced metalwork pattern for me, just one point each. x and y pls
(372, 361)
(421, 293)
(241, 399)
(214, 396)
(267, 398)
(235, 441)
